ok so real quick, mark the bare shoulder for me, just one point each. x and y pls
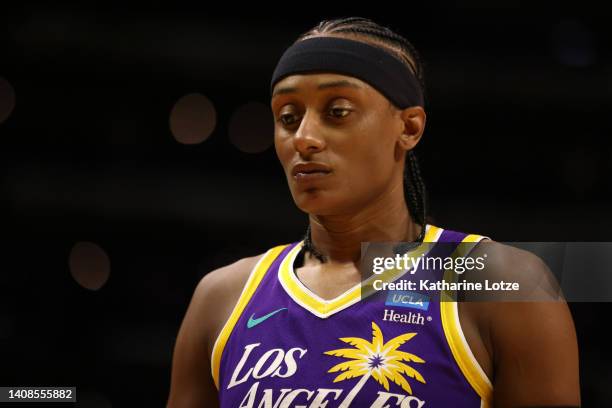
(502, 255)
(506, 263)
(214, 297)
(217, 293)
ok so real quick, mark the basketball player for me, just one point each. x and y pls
(288, 328)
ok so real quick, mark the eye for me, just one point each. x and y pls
(286, 119)
(289, 119)
(339, 112)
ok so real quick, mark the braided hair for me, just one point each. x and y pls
(368, 31)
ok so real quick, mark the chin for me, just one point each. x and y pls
(316, 201)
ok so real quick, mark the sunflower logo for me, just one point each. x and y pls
(377, 359)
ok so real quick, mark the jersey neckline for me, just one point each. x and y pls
(324, 308)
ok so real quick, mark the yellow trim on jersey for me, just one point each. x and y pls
(451, 325)
(251, 285)
(325, 308)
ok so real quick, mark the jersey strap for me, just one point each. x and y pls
(460, 349)
(251, 285)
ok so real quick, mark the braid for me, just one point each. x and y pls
(417, 207)
(371, 32)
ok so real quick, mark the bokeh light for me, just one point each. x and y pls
(89, 265)
(7, 99)
(574, 44)
(193, 119)
(251, 128)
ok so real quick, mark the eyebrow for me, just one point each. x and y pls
(335, 84)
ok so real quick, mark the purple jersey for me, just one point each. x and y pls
(284, 346)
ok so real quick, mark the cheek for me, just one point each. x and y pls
(283, 151)
(365, 173)
(375, 144)
(372, 160)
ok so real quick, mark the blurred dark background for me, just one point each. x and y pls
(136, 154)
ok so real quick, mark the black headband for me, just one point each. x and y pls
(386, 73)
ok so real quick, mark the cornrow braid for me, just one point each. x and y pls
(383, 37)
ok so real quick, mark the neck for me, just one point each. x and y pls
(338, 238)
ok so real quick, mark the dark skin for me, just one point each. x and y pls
(529, 350)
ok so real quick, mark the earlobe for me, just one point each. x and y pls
(409, 141)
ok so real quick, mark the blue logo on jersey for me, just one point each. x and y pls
(404, 298)
(254, 322)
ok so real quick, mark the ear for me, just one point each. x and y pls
(414, 125)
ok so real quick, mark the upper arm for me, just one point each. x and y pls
(191, 380)
(534, 345)
(536, 355)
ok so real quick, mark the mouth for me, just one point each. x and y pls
(310, 170)
(309, 177)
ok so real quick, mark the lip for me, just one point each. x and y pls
(307, 177)
(310, 171)
(305, 173)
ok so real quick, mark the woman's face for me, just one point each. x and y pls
(347, 127)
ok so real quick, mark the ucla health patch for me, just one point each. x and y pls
(404, 298)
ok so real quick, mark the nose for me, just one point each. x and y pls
(308, 138)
